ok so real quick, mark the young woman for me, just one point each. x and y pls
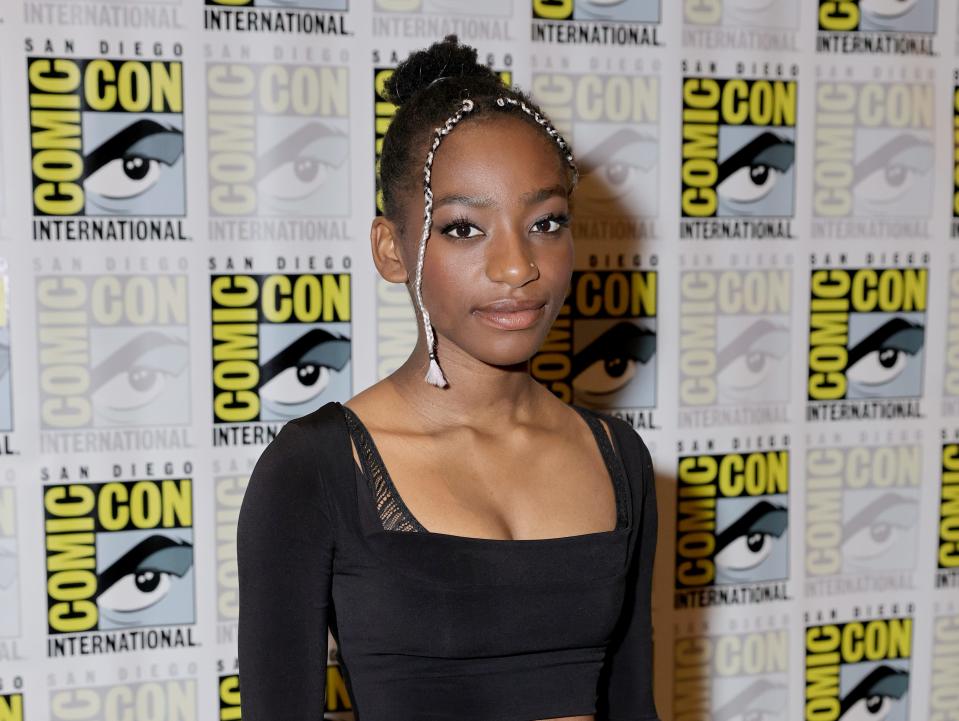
(480, 550)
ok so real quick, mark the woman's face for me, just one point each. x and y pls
(500, 254)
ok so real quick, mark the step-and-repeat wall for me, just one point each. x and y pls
(766, 288)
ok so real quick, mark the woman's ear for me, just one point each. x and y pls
(385, 244)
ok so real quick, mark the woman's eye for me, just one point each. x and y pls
(547, 225)
(462, 230)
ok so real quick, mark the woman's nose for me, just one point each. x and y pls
(509, 259)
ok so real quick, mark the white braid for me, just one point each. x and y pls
(434, 375)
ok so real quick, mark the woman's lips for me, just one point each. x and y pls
(511, 315)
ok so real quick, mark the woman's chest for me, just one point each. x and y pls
(438, 596)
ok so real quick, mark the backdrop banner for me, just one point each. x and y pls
(767, 224)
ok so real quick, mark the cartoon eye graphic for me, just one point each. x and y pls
(762, 700)
(873, 698)
(882, 355)
(750, 174)
(128, 163)
(748, 541)
(879, 527)
(298, 165)
(617, 167)
(140, 578)
(135, 374)
(891, 171)
(887, 8)
(749, 359)
(301, 371)
(608, 363)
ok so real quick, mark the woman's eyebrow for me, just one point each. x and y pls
(537, 196)
(470, 200)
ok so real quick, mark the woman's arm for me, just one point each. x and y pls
(284, 557)
(626, 687)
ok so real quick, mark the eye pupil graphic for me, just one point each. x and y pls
(755, 362)
(755, 542)
(615, 367)
(896, 174)
(147, 581)
(306, 169)
(141, 379)
(880, 532)
(888, 357)
(308, 373)
(136, 167)
(617, 173)
(759, 174)
(874, 703)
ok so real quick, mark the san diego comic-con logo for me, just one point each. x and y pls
(612, 121)
(738, 156)
(947, 573)
(106, 146)
(119, 565)
(113, 356)
(735, 341)
(862, 514)
(731, 674)
(858, 669)
(9, 570)
(170, 699)
(732, 519)
(277, 16)
(278, 155)
(866, 339)
(597, 22)
(882, 27)
(943, 694)
(873, 161)
(11, 706)
(281, 347)
(601, 349)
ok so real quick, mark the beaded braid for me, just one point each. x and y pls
(434, 374)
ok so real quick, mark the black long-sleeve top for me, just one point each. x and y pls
(431, 626)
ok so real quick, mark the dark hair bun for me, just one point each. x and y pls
(443, 59)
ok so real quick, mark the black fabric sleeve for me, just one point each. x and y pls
(626, 685)
(284, 558)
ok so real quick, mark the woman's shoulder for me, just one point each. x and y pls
(307, 451)
(632, 449)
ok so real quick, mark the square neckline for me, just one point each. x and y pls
(369, 455)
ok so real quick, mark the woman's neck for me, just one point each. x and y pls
(479, 395)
